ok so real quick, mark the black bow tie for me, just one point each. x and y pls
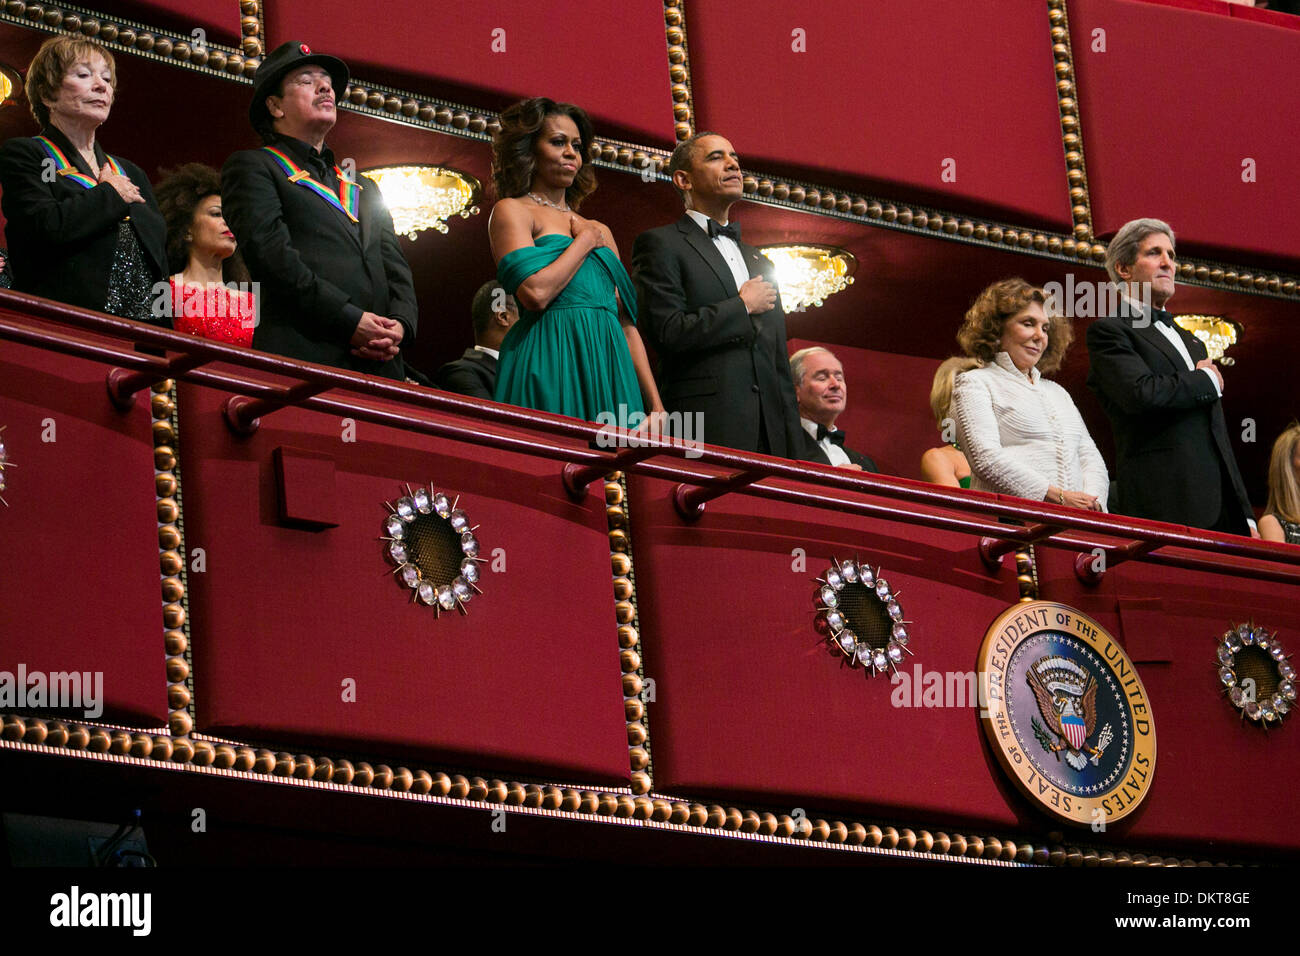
(1160, 315)
(731, 230)
(836, 435)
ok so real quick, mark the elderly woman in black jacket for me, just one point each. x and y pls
(82, 226)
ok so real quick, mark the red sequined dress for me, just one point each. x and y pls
(214, 312)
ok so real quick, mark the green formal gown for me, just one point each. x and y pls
(572, 358)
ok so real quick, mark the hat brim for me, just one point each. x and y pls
(268, 85)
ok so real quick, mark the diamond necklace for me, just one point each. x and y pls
(542, 200)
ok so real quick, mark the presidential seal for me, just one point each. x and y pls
(1066, 713)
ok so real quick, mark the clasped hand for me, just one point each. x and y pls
(377, 338)
(1073, 499)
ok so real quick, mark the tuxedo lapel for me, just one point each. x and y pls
(365, 219)
(1153, 336)
(756, 263)
(699, 240)
(1195, 347)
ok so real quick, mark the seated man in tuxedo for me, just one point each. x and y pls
(475, 372)
(822, 394)
(1174, 460)
(710, 308)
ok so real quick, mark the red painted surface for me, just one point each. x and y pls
(218, 19)
(614, 66)
(887, 92)
(1179, 156)
(79, 578)
(751, 706)
(528, 682)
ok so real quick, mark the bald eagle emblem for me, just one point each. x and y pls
(1067, 699)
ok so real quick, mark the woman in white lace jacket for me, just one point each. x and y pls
(1022, 433)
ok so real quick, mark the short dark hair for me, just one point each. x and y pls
(481, 310)
(179, 195)
(980, 335)
(684, 154)
(50, 65)
(514, 162)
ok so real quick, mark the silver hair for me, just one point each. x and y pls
(1123, 249)
(797, 360)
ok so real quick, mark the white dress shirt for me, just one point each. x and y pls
(1177, 342)
(1022, 436)
(492, 352)
(834, 452)
(727, 246)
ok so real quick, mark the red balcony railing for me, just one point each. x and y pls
(264, 383)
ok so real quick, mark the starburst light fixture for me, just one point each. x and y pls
(863, 618)
(432, 545)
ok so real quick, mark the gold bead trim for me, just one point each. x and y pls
(172, 565)
(631, 657)
(679, 69)
(154, 44)
(413, 110)
(856, 207)
(1071, 133)
(1027, 574)
(252, 27)
(123, 745)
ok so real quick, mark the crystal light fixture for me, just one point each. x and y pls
(425, 197)
(1216, 332)
(809, 274)
(10, 80)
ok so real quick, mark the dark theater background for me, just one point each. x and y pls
(644, 674)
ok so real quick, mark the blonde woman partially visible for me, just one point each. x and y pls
(1281, 521)
(946, 464)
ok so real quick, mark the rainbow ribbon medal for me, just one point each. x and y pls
(349, 195)
(65, 168)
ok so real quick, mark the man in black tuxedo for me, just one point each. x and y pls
(1174, 460)
(475, 372)
(334, 285)
(822, 394)
(710, 308)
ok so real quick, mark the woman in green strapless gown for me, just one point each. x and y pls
(570, 352)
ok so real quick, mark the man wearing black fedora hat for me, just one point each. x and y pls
(334, 285)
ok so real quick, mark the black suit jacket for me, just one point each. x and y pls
(317, 270)
(473, 374)
(62, 237)
(812, 451)
(715, 358)
(1170, 435)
